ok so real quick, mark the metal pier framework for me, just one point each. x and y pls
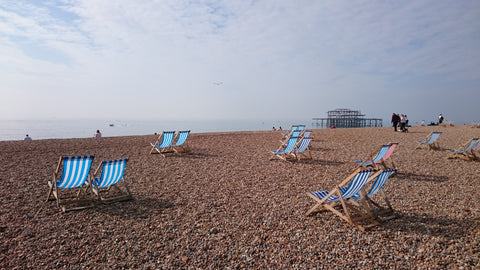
(346, 118)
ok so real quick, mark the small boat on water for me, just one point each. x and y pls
(111, 125)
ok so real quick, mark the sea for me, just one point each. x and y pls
(39, 129)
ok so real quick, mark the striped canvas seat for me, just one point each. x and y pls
(285, 149)
(180, 145)
(294, 131)
(338, 196)
(475, 151)
(378, 183)
(74, 175)
(466, 151)
(112, 172)
(354, 186)
(374, 158)
(163, 143)
(377, 187)
(431, 141)
(379, 156)
(302, 148)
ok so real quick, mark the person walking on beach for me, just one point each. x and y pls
(395, 120)
(27, 138)
(98, 134)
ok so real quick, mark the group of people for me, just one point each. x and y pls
(98, 134)
(400, 120)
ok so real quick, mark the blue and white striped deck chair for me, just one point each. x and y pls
(290, 130)
(295, 133)
(179, 145)
(285, 149)
(377, 187)
(294, 128)
(465, 151)
(352, 185)
(374, 158)
(302, 149)
(113, 174)
(74, 176)
(431, 141)
(163, 143)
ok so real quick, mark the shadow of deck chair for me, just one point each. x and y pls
(163, 144)
(338, 196)
(285, 149)
(374, 208)
(180, 146)
(302, 149)
(107, 186)
(377, 157)
(74, 177)
(465, 151)
(431, 141)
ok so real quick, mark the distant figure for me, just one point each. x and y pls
(98, 134)
(403, 122)
(27, 138)
(332, 127)
(440, 119)
(280, 128)
(395, 121)
(273, 129)
(423, 123)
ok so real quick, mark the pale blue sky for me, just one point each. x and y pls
(269, 59)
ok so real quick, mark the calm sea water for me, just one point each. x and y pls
(85, 128)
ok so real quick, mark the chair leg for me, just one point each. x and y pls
(49, 192)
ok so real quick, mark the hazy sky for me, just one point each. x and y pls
(269, 59)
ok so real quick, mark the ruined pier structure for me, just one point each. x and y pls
(346, 118)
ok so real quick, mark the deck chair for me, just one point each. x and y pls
(388, 156)
(302, 149)
(293, 133)
(465, 151)
(179, 146)
(374, 158)
(353, 184)
(163, 144)
(107, 187)
(74, 176)
(285, 149)
(376, 187)
(294, 128)
(475, 150)
(431, 141)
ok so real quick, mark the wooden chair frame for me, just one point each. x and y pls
(338, 198)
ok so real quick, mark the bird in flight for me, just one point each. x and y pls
(218, 83)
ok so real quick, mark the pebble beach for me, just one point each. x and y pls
(226, 205)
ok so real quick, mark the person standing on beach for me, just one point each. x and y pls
(27, 138)
(395, 120)
(98, 134)
(440, 119)
(403, 122)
